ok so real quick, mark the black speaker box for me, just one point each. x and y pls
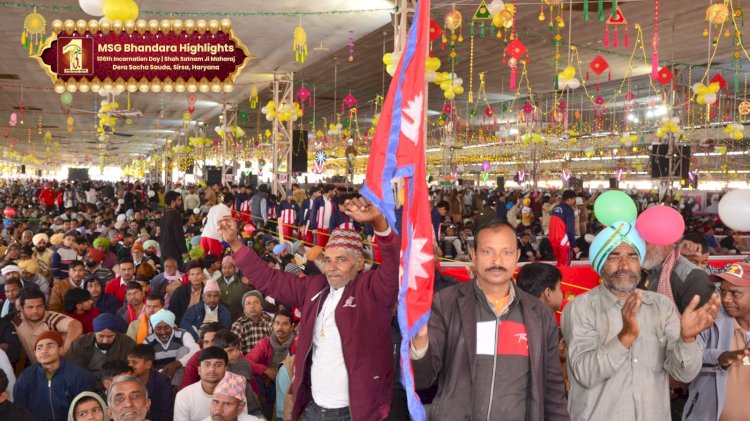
(613, 183)
(659, 160)
(501, 183)
(299, 151)
(213, 175)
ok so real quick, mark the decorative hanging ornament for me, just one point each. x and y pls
(253, 98)
(717, 15)
(300, 44)
(599, 65)
(615, 21)
(454, 24)
(516, 50)
(320, 161)
(349, 102)
(351, 45)
(744, 108)
(33, 35)
(303, 94)
(665, 76)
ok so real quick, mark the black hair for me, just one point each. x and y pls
(143, 352)
(213, 353)
(13, 281)
(228, 198)
(568, 194)
(3, 381)
(126, 260)
(154, 297)
(113, 368)
(193, 265)
(211, 327)
(443, 204)
(697, 238)
(133, 285)
(31, 294)
(75, 296)
(209, 260)
(283, 312)
(75, 264)
(226, 338)
(534, 278)
(82, 240)
(493, 224)
(171, 196)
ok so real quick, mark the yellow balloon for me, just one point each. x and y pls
(714, 87)
(387, 59)
(702, 89)
(700, 99)
(569, 72)
(458, 90)
(122, 10)
(738, 135)
(497, 19)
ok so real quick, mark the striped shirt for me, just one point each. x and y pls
(27, 333)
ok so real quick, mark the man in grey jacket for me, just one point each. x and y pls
(719, 391)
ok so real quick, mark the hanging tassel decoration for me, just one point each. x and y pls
(655, 43)
(615, 41)
(585, 9)
(627, 38)
(606, 36)
(600, 11)
(513, 73)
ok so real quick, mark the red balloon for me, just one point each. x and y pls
(249, 228)
(191, 108)
(9, 212)
(660, 225)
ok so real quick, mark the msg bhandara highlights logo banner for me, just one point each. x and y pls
(140, 55)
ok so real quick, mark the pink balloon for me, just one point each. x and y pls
(249, 228)
(9, 212)
(660, 225)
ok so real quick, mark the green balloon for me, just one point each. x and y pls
(66, 98)
(613, 206)
(244, 116)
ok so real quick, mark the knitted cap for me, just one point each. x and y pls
(253, 293)
(232, 385)
(228, 259)
(49, 334)
(211, 286)
(346, 239)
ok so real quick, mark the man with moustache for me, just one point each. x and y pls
(720, 390)
(490, 345)
(624, 343)
(127, 399)
(42, 254)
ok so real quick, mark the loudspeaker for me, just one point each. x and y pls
(23, 169)
(248, 179)
(613, 183)
(660, 161)
(501, 183)
(78, 174)
(299, 150)
(213, 175)
(38, 173)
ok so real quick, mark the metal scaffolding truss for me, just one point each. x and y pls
(282, 88)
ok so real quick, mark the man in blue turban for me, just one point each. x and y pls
(623, 342)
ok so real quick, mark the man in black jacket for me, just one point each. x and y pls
(491, 346)
(171, 231)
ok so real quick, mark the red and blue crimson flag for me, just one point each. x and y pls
(398, 150)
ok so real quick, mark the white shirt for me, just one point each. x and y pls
(192, 403)
(242, 417)
(329, 378)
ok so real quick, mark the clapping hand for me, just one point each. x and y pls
(695, 321)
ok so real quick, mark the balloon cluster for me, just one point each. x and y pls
(535, 138)
(669, 126)
(735, 131)
(706, 94)
(432, 64)
(567, 79)
(335, 129)
(107, 122)
(199, 142)
(502, 14)
(628, 139)
(660, 225)
(284, 111)
(450, 84)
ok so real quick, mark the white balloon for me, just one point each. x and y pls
(495, 6)
(430, 75)
(734, 208)
(696, 86)
(709, 98)
(675, 120)
(573, 83)
(458, 81)
(92, 7)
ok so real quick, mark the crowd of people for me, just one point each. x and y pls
(130, 301)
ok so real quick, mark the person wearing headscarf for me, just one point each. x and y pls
(87, 406)
(31, 277)
(107, 342)
(42, 254)
(623, 341)
(110, 258)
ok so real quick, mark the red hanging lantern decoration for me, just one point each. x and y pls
(616, 20)
(599, 65)
(516, 50)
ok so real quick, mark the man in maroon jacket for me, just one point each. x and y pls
(346, 368)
